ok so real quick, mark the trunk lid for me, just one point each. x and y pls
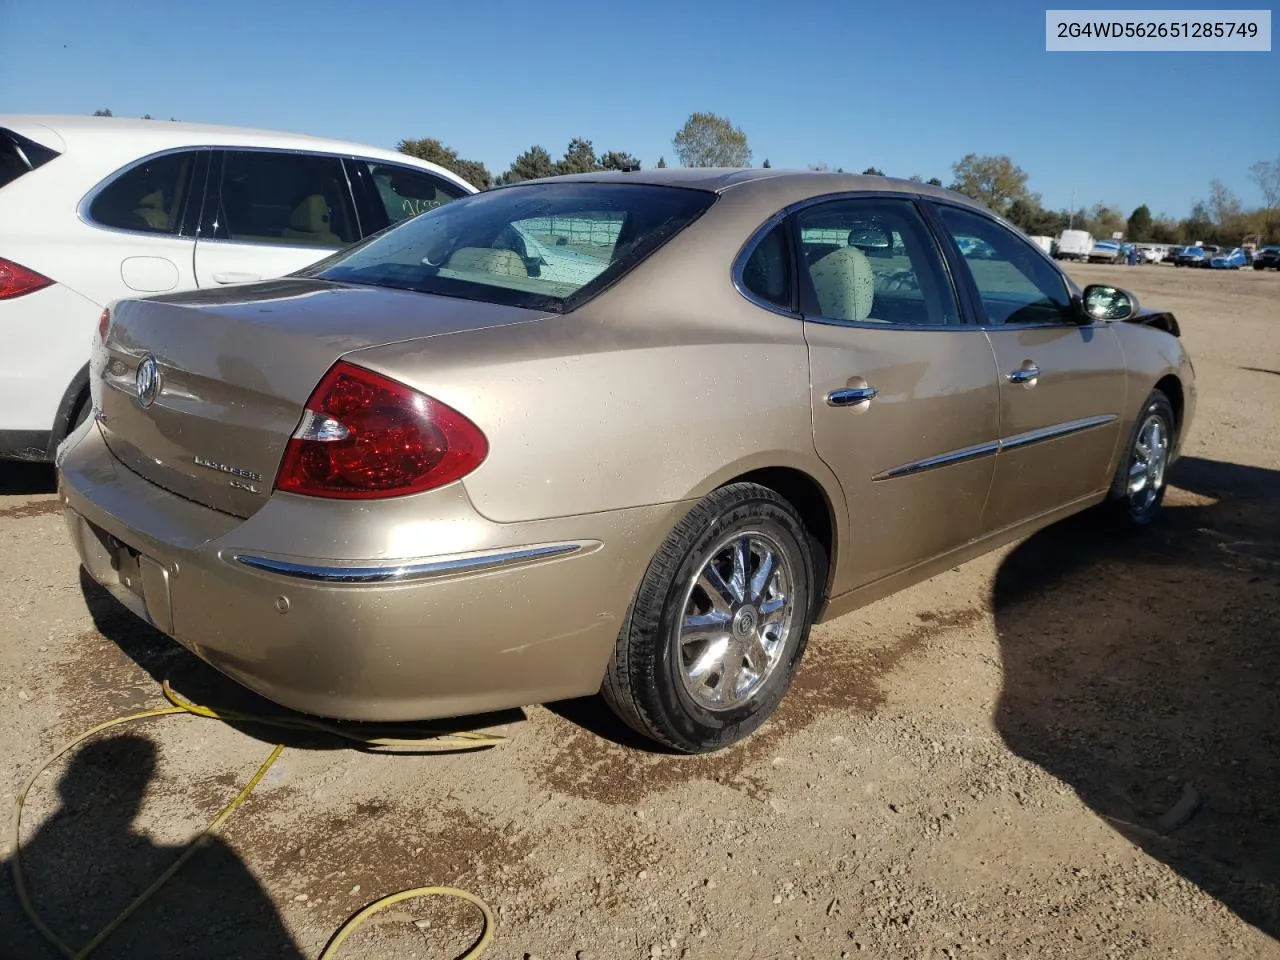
(236, 367)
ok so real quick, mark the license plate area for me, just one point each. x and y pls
(127, 563)
(133, 578)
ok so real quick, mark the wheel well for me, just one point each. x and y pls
(78, 389)
(810, 500)
(1171, 387)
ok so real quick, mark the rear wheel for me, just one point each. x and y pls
(1137, 491)
(719, 624)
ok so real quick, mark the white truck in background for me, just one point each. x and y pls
(1044, 243)
(1075, 245)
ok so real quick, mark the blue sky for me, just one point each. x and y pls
(907, 87)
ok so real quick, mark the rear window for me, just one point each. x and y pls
(545, 246)
(149, 197)
(19, 155)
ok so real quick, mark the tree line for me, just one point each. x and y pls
(708, 140)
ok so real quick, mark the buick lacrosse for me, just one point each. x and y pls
(621, 432)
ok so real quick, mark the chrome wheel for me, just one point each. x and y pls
(735, 620)
(1147, 465)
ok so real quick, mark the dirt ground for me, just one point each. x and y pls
(1069, 748)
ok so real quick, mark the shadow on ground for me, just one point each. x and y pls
(1144, 672)
(87, 862)
(25, 479)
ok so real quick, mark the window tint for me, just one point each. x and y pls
(285, 198)
(544, 246)
(873, 261)
(19, 155)
(406, 192)
(149, 197)
(767, 272)
(1016, 284)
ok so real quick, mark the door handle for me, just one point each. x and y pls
(232, 276)
(851, 396)
(1025, 375)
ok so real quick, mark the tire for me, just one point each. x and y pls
(652, 683)
(1135, 510)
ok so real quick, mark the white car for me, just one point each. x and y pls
(93, 209)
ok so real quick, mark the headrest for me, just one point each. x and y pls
(311, 215)
(845, 284)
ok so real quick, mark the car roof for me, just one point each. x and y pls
(724, 179)
(72, 133)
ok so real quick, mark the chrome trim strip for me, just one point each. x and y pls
(996, 446)
(1058, 430)
(407, 572)
(941, 460)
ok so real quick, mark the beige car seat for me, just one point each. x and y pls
(845, 284)
(151, 211)
(310, 223)
(488, 260)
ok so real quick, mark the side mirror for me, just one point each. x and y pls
(1104, 302)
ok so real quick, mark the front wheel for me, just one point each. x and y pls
(719, 624)
(1137, 491)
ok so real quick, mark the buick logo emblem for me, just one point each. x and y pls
(148, 381)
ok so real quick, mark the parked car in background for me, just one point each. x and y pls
(1192, 257)
(1233, 260)
(1147, 253)
(422, 479)
(1075, 245)
(1171, 255)
(97, 208)
(1267, 258)
(1108, 251)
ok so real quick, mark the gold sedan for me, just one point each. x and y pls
(622, 432)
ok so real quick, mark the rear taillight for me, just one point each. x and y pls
(16, 280)
(104, 324)
(365, 436)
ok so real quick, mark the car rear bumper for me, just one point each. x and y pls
(529, 613)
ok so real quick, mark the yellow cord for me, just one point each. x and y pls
(463, 740)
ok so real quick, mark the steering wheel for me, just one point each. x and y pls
(904, 279)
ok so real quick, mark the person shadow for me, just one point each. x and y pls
(88, 861)
(1144, 672)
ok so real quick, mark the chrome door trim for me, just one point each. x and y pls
(412, 570)
(996, 446)
(940, 460)
(1055, 431)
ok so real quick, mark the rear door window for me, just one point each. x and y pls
(291, 199)
(872, 260)
(404, 192)
(149, 197)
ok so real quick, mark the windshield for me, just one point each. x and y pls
(545, 246)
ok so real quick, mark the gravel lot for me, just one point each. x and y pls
(1069, 748)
